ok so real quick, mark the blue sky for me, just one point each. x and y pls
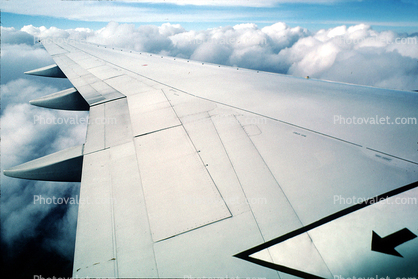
(396, 15)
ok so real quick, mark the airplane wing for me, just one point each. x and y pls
(192, 169)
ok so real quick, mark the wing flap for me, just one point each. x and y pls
(113, 236)
(95, 238)
(87, 80)
(174, 200)
(150, 112)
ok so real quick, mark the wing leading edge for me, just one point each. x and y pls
(192, 170)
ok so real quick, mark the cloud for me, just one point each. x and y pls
(12, 36)
(359, 55)
(51, 228)
(146, 38)
(33, 233)
(356, 54)
(24, 139)
(19, 54)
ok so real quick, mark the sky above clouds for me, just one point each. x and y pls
(365, 42)
(397, 15)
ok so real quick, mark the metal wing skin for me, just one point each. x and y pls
(193, 170)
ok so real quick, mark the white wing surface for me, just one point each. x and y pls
(193, 170)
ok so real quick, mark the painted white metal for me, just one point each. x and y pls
(314, 170)
(105, 72)
(90, 62)
(95, 238)
(55, 49)
(117, 123)
(179, 192)
(95, 138)
(115, 226)
(150, 111)
(87, 77)
(266, 149)
(348, 246)
(298, 253)
(344, 243)
(208, 250)
(127, 85)
(313, 104)
(134, 246)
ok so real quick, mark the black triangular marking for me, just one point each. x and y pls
(387, 244)
(245, 255)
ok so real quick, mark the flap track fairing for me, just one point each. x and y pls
(65, 166)
(69, 99)
(48, 71)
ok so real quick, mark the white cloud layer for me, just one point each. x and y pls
(355, 54)
(24, 139)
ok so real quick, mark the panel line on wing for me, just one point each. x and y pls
(284, 194)
(265, 163)
(282, 191)
(197, 151)
(272, 118)
(247, 255)
(173, 199)
(392, 156)
(281, 121)
(193, 229)
(106, 101)
(156, 131)
(328, 219)
(89, 81)
(238, 179)
(114, 239)
(359, 143)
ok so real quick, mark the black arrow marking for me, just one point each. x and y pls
(387, 244)
(246, 255)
